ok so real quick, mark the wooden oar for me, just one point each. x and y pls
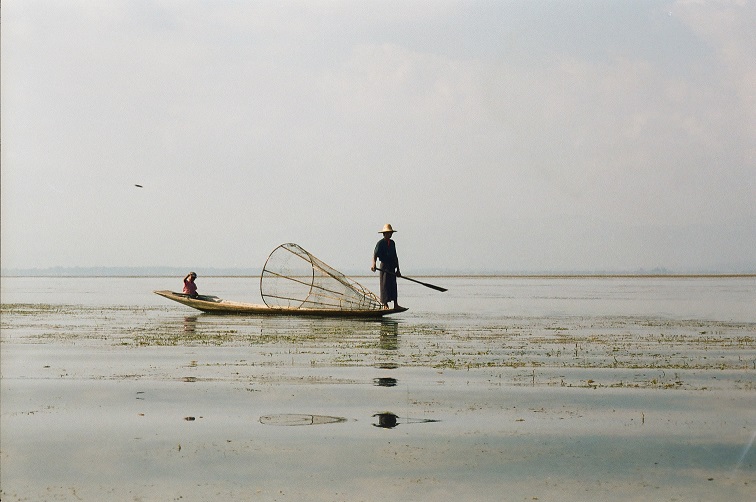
(437, 288)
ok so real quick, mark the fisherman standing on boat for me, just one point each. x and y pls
(190, 287)
(385, 251)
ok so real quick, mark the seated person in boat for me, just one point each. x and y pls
(190, 287)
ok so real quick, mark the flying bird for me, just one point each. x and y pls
(140, 186)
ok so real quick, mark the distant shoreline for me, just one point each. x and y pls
(492, 275)
(172, 271)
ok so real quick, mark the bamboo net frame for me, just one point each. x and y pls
(294, 278)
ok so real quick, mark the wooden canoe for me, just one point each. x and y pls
(215, 305)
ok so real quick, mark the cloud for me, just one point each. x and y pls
(526, 129)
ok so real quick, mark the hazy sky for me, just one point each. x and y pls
(503, 135)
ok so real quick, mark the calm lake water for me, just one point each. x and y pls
(709, 298)
(560, 389)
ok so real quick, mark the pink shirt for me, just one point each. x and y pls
(190, 288)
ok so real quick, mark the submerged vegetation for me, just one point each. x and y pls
(589, 352)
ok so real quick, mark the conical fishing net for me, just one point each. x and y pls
(294, 278)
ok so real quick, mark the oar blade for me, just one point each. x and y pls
(432, 286)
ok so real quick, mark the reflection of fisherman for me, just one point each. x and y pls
(384, 382)
(385, 251)
(386, 420)
(190, 287)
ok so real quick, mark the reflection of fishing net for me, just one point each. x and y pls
(294, 278)
(298, 419)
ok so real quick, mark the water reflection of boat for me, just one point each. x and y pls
(190, 324)
(388, 420)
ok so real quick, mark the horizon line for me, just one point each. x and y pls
(163, 271)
